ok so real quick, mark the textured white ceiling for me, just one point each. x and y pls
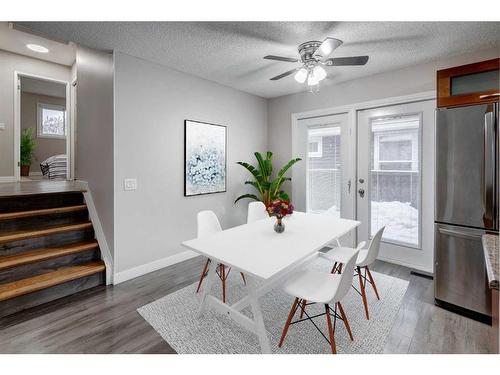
(231, 52)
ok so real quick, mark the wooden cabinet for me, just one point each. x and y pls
(469, 84)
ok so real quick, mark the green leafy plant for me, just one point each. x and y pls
(268, 189)
(28, 146)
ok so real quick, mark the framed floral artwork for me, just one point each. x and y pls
(204, 158)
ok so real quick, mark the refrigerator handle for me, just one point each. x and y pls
(489, 169)
(462, 234)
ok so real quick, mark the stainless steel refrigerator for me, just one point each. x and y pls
(466, 204)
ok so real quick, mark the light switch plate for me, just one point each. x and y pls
(2, 126)
(129, 184)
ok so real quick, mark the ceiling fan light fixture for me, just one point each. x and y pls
(301, 75)
(312, 80)
(319, 73)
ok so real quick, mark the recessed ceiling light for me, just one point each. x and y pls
(37, 48)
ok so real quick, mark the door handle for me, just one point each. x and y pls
(488, 174)
(456, 233)
(361, 192)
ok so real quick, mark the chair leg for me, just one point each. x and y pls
(340, 268)
(363, 293)
(331, 334)
(223, 278)
(334, 268)
(288, 321)
(243, 277)
(372, 282)
(203, 275)
(344, 318)
(303, 308)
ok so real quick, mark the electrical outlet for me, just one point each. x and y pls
(2, 126)
(129, 184)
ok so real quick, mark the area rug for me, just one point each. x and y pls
(174, 318)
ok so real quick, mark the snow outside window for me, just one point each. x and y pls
(395, 179)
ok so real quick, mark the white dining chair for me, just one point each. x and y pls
(209, 224)
(324, 288)
(366, 257)
(256, 211)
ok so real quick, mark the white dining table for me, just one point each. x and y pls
(266, 258)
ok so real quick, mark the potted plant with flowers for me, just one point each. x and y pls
(279, 208)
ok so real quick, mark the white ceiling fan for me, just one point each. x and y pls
(314, 55)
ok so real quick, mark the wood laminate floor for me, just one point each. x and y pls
(105, 320)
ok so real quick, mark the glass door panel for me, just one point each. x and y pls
(395, 178)
(324, 173)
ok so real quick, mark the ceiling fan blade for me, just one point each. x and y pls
(281, 58)
(327, 47)
(345, 61)
(285, 74)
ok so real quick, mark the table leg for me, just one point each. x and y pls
(212, 272)
(257, 316)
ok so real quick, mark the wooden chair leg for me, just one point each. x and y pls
(363, 293)
(334, 268)
(344, 318)
(372, 282)
(303, 308)
(223, 278)
(288, 321)
(331, 334)
(243, 277)
(203, 275)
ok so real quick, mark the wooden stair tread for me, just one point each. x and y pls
(26, 234)
(49, 279)
(45, 211)
(39, 255)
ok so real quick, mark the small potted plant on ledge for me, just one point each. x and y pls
(28, 147)
(279, 208)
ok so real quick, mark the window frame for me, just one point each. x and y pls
(39, 126)
(319, 141)
(419, 149)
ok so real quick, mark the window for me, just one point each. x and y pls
(315, 147)
(51, 121)
(395, 179)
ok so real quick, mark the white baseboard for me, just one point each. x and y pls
(7, 179)
(143, 269)
(409, 265)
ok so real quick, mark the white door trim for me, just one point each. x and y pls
(17, 122)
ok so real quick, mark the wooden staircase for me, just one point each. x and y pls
(48, 249)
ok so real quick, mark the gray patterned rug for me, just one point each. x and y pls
(174, 318)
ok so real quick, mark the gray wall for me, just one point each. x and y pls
(9, 63)
(151, 103)
(406, 81)
(45, 147)
(94, 132)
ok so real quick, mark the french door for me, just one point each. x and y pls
(395, 174)
(321, 181)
